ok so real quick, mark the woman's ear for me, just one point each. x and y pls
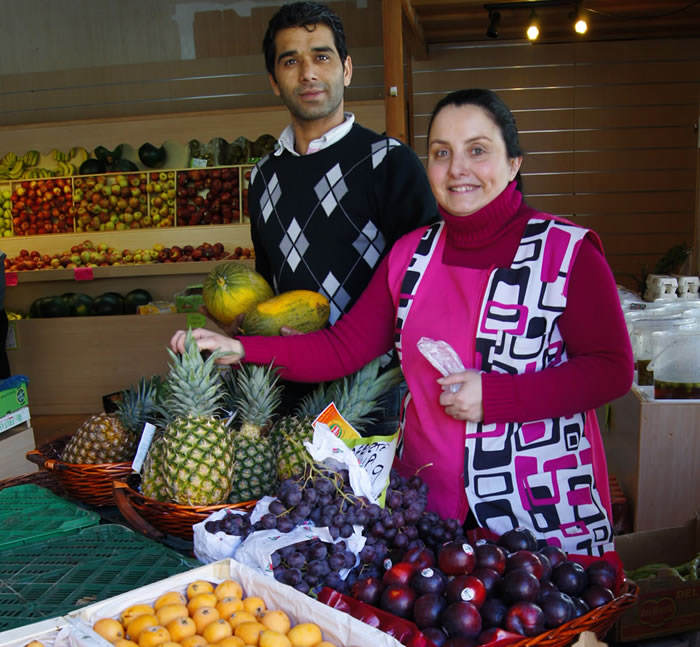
(515, 163)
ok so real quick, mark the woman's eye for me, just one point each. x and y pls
(440, 153)
(477, 150)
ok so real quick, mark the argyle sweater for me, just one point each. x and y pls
(323, 221)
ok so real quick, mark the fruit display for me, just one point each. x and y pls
(207, 197)
(33, 165)
(5, 211)
(231, 289)
(90, 254)
(77, 304)
(161, 197)
(113, 437)
(302, 310)
(42, 207)
(687, 572)
(209, 613)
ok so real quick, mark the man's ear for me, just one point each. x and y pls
(273, 84)
(347, 71)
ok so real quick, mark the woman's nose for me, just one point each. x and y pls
(458, 165)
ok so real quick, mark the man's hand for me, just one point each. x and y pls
(467, 403)
(211, 341)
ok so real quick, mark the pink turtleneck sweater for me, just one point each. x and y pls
(599, 366)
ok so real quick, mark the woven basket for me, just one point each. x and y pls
(42, 478)
(91, 484)
(159, 518)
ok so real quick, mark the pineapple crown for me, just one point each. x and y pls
(257, 395)
(193, 386)
(139, 404)
(356, 396)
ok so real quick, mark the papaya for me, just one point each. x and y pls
(302, 310)
(231, 289)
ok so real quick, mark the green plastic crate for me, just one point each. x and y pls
(50, 578)
(31, 513)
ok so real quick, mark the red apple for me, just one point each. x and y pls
(456, 558)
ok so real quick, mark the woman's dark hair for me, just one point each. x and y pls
(495, 107)
(302, 14)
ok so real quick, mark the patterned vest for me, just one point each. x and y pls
(537, 474)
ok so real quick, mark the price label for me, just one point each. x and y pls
(83, 274)
(10, 279)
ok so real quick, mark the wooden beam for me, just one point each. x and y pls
(418, 45)
(394, 91)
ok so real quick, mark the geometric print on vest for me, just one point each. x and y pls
(537, 474)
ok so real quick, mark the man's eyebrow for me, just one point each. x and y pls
(294, 52)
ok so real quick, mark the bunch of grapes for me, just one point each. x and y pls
(231, 523)
(311, 564)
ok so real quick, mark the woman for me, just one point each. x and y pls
(529, 304)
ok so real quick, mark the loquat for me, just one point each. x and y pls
(305, 634)
(249, 632)
(201, 600)
(153, 636)
(254, 604)
(277, 620)
(109, 628)
(169, 612)
(138, 624)
(171, 597)
(216, 631)
(181, 628)
(203, 616)
(199, 586)
(228, 588)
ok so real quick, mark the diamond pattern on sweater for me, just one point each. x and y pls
(270, 197)
(369, 244)
(331, 189)
(381, 148)
(293, 245)
(337, 295)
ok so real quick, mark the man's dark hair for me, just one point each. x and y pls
(302, 14)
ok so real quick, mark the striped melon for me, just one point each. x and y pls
(302, 310)
(232, 289)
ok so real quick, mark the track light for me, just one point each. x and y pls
(580, 22)
(494, 21)
(533, 27)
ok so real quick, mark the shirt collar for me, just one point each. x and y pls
(335, 134)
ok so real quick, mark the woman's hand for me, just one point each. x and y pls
(211, 341)
(466, 403)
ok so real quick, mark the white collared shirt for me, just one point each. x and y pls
(335, 134)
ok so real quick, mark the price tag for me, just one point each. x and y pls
(144, 445)
(198, 162)
(10, 279)
(83, 274)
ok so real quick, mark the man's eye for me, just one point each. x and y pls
(289, 61)
(323, 57)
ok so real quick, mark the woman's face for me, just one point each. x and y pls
(468, 165)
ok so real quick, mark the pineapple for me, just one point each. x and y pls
(194, 459)
(256, 396)
(113, 437)
(153, 482)
(355, 397)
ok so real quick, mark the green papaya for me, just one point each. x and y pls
(151, 156)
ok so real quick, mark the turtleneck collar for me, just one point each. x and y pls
(485, 224)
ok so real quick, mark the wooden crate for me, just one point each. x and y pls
(653, 449)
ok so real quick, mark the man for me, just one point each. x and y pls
(333, 197)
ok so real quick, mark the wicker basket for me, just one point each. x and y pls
(91, 484)
(156, 519)
(42, 478)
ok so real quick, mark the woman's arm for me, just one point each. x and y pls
(599, 367)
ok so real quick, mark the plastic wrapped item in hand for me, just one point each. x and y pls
(442, 357)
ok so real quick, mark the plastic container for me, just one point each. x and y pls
(30, 513)
(676, 368)
(50, 578)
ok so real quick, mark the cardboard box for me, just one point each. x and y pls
(189, 299)
(14, 445)
(666, 605)
(13, 398)
(14, 418)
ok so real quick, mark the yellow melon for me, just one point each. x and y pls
(302, 310)
(231, 289)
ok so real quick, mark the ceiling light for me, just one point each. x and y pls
(533, 27)
(580, 22)
(494, 21)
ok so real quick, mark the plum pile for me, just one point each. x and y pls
(464, 592)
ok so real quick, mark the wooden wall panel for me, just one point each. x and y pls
(609, 131)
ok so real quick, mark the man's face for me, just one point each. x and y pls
(309, 75)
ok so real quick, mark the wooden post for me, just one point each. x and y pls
(394, 91)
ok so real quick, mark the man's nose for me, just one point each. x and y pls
(308, 70)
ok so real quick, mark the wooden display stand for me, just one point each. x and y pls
(653, 449)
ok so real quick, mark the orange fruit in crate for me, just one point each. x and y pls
(199, 586)
(305, 634)
(217, 631)
(35, 643)
(139, 623)
(194, 641)
(154, 636)
(170, 643)
(171, 597)
(135, 610)
(203, 616)
(228, 606)
(123, 642)
(201, 600)
(231, 641)
(254, 604)
(166, 614)
(276, 620)
(181, 628)
(249, 632)
(270, 638)
(240, 617)
(109, 628)
(325, 643)
(228, 588)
